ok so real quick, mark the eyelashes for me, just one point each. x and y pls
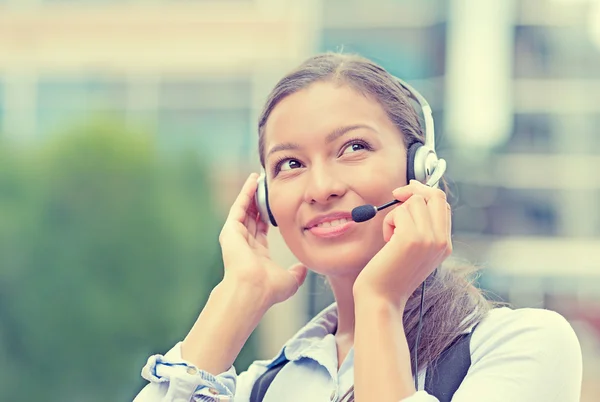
(279, 162)
(277, 165)
(359, 141)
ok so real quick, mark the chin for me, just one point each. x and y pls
(343, 260)
(341, 255)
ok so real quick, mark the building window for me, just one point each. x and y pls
(65, 101)
(555, 52)
(532, 134)
(532, 52)
(517, 212)
(498, 211)
(211, 117)
(409, 53)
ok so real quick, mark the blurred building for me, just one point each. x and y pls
(514, 86)
(527, 202)
(530, 211)
(192, 73)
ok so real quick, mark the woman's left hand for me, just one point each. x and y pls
(418, 236)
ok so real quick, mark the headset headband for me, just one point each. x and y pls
(429, 129)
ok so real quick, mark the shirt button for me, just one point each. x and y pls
(192, 370)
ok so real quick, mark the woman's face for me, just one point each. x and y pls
(329, 149)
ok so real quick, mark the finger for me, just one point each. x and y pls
(416, 187)
(230, 238)
(244, 200)
(449, 225)
(398, 218)
(420, 213)
(252, 226)
(298, 271)
(251, 222)
(441, 221)
(262, 230)
(450, 247)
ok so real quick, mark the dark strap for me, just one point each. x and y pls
(441, 382)
(445, 376)
(259, 389)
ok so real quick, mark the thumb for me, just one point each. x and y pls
(298, 271)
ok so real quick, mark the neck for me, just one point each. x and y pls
(344, 297)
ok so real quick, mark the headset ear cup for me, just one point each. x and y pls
(268, 208)
(411, 167)
(262, 201)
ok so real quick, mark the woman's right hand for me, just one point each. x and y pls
(246, 256)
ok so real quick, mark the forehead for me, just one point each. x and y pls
(313, 112)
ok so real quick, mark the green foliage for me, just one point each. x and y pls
(107, 254)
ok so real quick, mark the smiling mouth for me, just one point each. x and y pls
(333, 223)
(332, 229)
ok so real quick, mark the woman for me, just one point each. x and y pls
(335, 134)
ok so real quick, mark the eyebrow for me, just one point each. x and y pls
(334, 135)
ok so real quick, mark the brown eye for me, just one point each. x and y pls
(354, 147)
(289, 164)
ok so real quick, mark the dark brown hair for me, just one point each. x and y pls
(452, 302)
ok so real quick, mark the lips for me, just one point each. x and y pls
(330, 226)
(329, 220)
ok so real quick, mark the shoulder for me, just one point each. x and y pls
(544, 328)
(523, 355)
(539, 340)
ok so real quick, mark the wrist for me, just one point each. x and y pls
(240, 294)
(373, 311)
(228, 318)
(374, 299)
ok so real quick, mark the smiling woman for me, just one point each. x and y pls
(348, 153)
(337, 133)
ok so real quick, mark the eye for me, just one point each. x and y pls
(355, 146)
(289, 164)
(286, 163)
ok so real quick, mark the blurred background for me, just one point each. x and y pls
(128, 126)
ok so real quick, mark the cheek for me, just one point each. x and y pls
(376, 187)
(388, 167)
(284, 203)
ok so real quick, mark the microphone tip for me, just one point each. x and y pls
(363, 213)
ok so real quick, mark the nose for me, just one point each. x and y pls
(323, 186)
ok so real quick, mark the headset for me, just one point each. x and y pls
(423, 163)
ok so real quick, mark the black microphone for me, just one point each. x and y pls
(368, 211)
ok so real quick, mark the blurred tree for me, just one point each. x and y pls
(107, 254)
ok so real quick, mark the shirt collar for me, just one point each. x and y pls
(321, 325)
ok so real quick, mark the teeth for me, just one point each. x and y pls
(334, 223)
